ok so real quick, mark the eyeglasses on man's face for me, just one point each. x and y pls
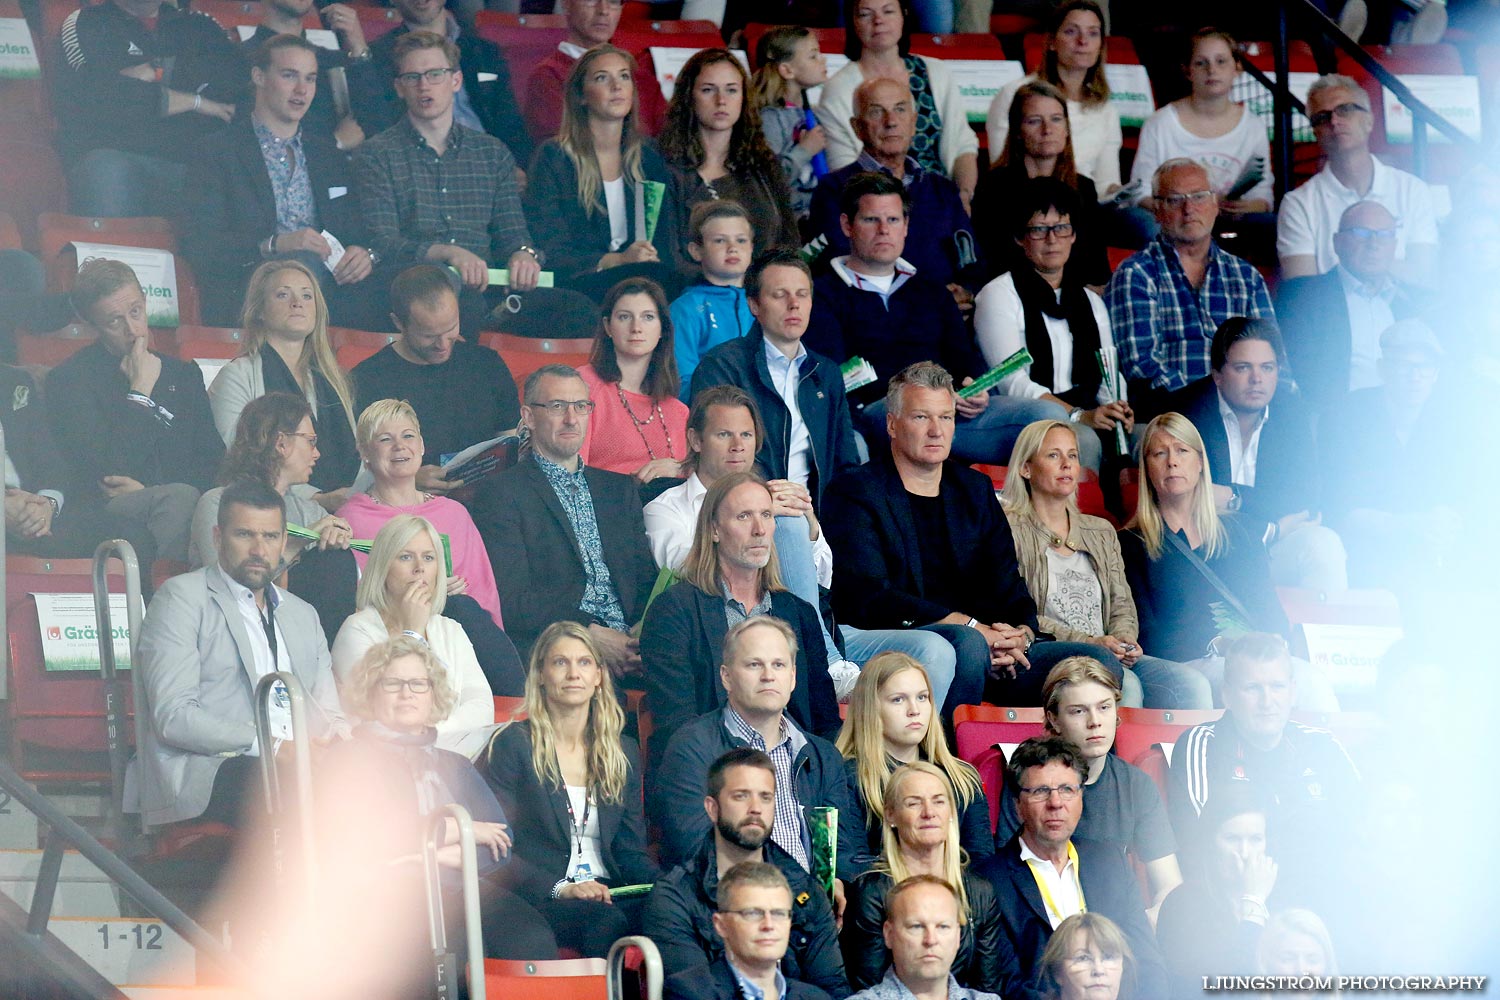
(431, 76)
(755, 915)
(557, 406)
(1041, 793)
(1037, 234)
(1366, 233)
(1346, 110)
(1176, 201)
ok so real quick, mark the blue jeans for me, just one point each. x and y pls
(933, 17)
(974, 684)
(111, 183)
(932, 651)
(1167, 684)
(991, 436)
(794, 550)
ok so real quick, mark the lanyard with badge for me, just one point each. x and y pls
(583, 873)
(1041, 883)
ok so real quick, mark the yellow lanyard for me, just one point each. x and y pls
(1041, 884)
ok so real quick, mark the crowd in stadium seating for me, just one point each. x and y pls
(704, 515)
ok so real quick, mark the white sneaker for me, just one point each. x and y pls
(845, 674)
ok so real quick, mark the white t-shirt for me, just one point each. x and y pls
(1074, 595)
(1309, 216)
(1000, 329)
(1097, 137)
(587, 850)
(619, 219)
(1227, 157)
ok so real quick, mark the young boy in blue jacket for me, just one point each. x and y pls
(714, 310)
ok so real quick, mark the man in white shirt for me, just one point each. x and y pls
(724, 435)
(208, 638)
(1263, 458)
(1045, 875)
(1339, 110)
(1332, 322)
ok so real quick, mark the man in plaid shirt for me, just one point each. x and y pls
(435, 191)
(1166, 301)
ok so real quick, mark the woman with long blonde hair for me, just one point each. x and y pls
(287, 349)
(570, 779)
(920, 837)
(1198, 577)
(588, 188)
(893, 720)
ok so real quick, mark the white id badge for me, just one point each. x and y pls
(279, 712)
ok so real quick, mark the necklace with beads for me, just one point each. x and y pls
(641, 425)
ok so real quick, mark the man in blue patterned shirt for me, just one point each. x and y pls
(567, 541)
(1166, 301)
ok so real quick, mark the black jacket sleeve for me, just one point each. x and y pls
(865, 955)
(673, 663)
(974, 829)
(668, 921)
(558, 223)
(983, 969)
(628, 851)
(676, 801)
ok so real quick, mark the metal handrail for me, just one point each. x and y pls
(436, 923)
(1422, 115)
(302, 769)
(62, 833)
(114, 692)
(650, 966)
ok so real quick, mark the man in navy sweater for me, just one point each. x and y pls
(874, 305)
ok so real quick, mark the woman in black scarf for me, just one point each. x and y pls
(1040, 306)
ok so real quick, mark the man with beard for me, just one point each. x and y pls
(207, 640)
(741, 805)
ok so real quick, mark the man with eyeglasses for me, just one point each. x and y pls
(1332, 322)
(567, 541)
(940, 241)
(1166, 300)
(1339, 109)
(921, 931)
(433, 189)
(754, 920)
(484, 101)
(1402, 532)
(462, 393)
(590, 23)
(1045, 874)
(208, 638)
(740, 801)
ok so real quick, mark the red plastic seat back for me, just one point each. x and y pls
(1141, 728)
(985, 735)
(562, 979)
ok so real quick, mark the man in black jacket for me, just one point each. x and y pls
(799, 393)
(754, 901)
(1332, 322)
(920, 542)
(1259, 440)
(141, 85)
(567, 541)
(134, 424)
(758, 673)
(269, 188)
(484, 103)
(1044, 875)
(36, 494)
(741, 804)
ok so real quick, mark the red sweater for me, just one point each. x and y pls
(542, 107)
(614, 443)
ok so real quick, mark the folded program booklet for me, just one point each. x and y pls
(476, 461)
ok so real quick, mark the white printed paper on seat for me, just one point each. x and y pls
(155, 269)
(1130, 92)
(979, 80)
(70, 636)
(18, 59)
(669, 60)
(1456, 98)
(1348, 655)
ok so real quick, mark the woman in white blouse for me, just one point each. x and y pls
(1225, 136)
(1061, 323)
(878, 44)
(402, 593)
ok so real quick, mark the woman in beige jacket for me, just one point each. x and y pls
(1073, 568)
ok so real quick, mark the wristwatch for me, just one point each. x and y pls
(972, 623)
(1235, 499)
(1075, 414)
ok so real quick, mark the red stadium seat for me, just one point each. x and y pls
(958, 46)
(352, 354)
(985, 734)
(1142, 728)
(561, 979)
(1117, 49)
(1090, 496)
(524, 39)
(524, 355)
(343, 336)
(829, 39)
(232, 14)
(53, 347)
(507, 708)
(33, 182)
(57, 232)
(376, 21)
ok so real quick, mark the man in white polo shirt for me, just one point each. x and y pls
(1340, 113)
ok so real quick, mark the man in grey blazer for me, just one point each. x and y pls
(208, 637)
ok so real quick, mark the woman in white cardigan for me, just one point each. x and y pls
(878, 44)
(402, 593)
(286, 349)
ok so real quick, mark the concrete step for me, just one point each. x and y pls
(24, 864)
(181, 993)
(72, 899)
(130, 952)
(18, 827)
